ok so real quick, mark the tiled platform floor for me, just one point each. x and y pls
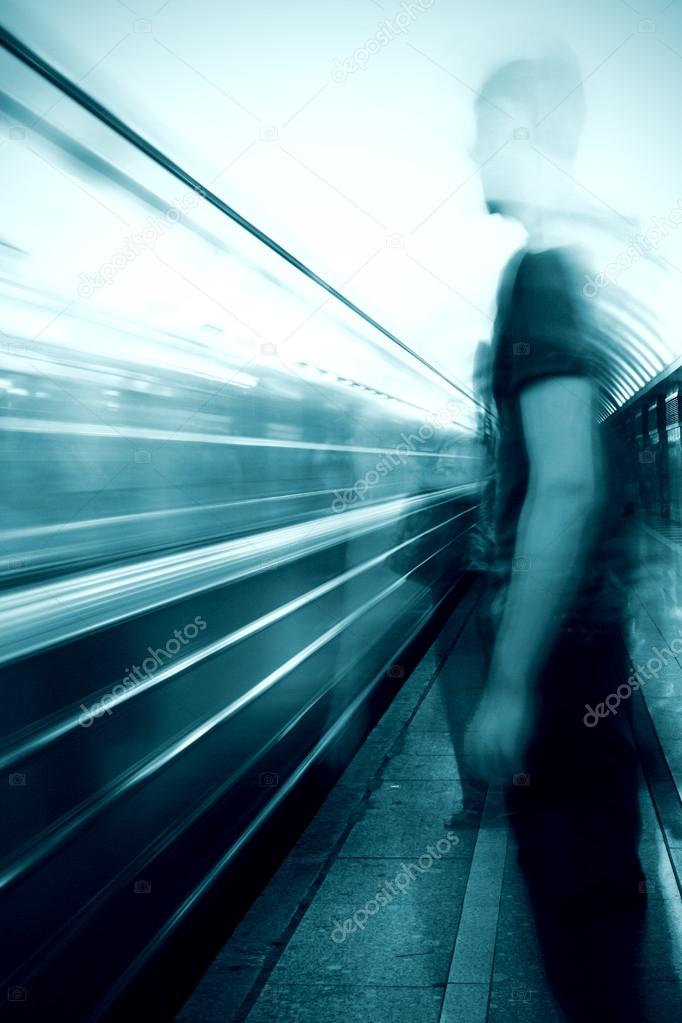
(454, 941)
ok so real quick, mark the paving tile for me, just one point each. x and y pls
(265, 923)
(387, 730)
(331, 1003)
(437, 796)
(237, 966)
(406, 942)
(436, 716)
(461, 676)
(367, 762)
(518, 1003)
(425, 768)
(429, 744)
(673, 756)
(465, 1003)
(473, 956)
(329, 822)
(382, 832)
(676, 858)
(474, 949)
(650, 823)
(431, 717)
(219, 996)
(658, 868)
(660, 957)
(668, 806)
(485, 880)
(666, 717)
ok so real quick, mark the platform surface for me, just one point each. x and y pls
(451, 939)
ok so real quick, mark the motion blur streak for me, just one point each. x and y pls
(191, 428)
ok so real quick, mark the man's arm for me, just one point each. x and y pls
(555, 524)
(553, 534)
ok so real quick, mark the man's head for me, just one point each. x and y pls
(529, 118)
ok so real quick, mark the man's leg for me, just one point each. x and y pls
(577, 826)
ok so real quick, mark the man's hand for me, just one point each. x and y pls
(498, 734)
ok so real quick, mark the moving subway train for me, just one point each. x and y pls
(230, 502)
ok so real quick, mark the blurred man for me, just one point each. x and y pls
(560, 538)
